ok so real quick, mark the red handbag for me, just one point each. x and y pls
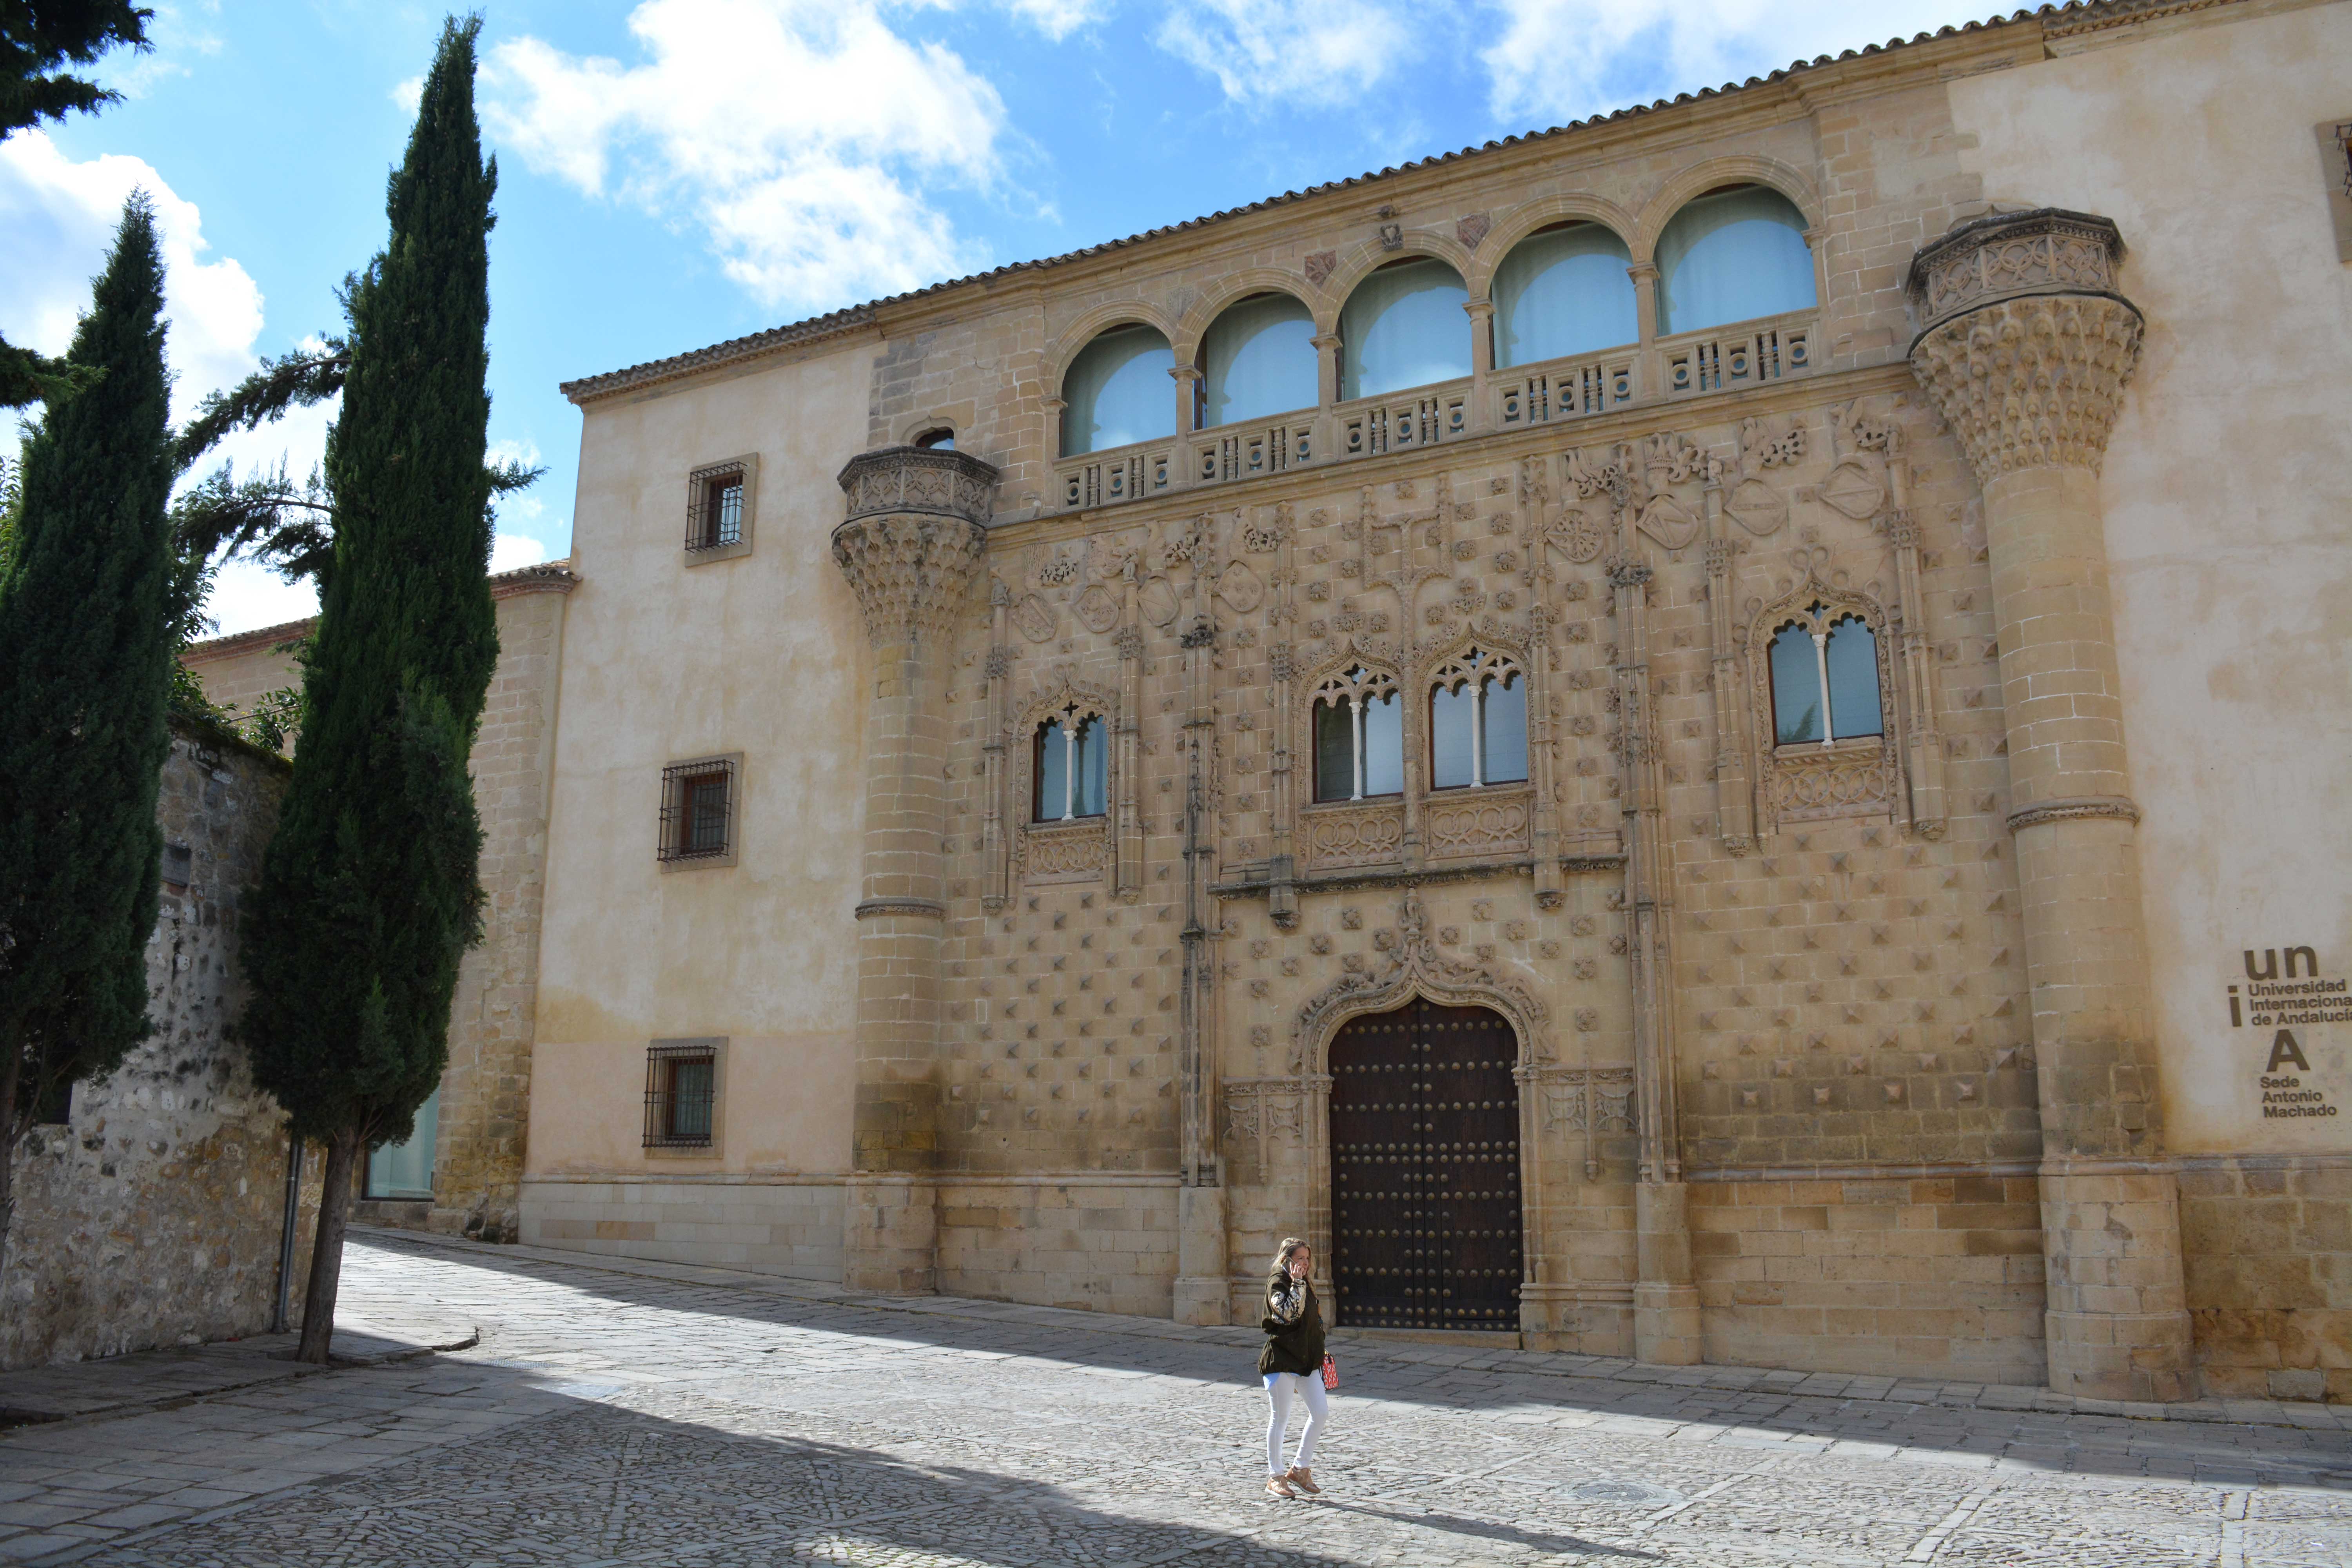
(1331, 1374)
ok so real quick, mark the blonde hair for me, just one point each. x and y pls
(1290, 1243)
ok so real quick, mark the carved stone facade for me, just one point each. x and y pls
(1832, 1053)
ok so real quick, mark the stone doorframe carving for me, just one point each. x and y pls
(1416, 969)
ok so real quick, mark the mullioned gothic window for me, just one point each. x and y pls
(1071, 767)
(1477, 722)
(1824, 665)
(1358, 736)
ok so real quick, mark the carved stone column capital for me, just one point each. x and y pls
(2025, 345)
(916, 523)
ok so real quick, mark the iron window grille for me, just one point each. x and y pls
(698, 812)
(714, 513)
(681, 1094)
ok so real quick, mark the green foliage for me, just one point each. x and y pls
(370, 893)
(39, 38)
(87, 636)
(276, 718)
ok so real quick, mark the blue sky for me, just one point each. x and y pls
(677, 172)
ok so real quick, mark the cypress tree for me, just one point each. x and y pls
(370, 892)
(86, 640)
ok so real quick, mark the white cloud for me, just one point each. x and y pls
(1057, 19)
(807, 147)
(247, 596)
(1555, 60)
(410, 94)
(508, 550)
(1295, 51)
(60, 217)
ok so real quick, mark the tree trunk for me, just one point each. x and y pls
(12, 1061)
(327, 1249)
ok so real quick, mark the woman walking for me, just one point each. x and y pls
(1292, 1366)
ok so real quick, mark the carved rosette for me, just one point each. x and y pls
(912, 542)
(2026, 346)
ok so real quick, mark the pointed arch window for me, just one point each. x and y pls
(1070, 766)
(1825, 678)
(1358, 736)
(1477, 722)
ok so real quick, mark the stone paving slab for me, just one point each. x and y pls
(147, 1379)
(614, 1416)
(1440, 1355)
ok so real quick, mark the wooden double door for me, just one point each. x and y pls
(1426, 1205)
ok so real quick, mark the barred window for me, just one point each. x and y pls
(698, 811)
(681, 1094)
(718, 499)
(716, 518)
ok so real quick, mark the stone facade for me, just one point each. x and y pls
(486, 1089)
(1847, 1055)
(154, 1214)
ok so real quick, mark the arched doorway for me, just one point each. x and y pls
(1425, 1201)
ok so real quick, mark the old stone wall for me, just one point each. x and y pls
(486, 1089)
(153, 1215)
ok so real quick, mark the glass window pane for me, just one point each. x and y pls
(1449, 737)
(1335, 763)
(690, 1086)
(1733, 257)
(1505, 737)
(1094, 770)
(1118, 391)
(1404, 326)
(1796, 687)
(1053, 770)
(706, 814)
(1384, 745)
(405, 1170)
(1258, 360)
(1854, 680)
(1563, 292)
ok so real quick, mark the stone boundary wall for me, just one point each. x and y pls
(153, 1215)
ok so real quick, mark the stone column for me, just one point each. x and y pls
(911, 544)
(2025, 348)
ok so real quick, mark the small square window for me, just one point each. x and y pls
(700, 811)
(682, 1095)
(179, 865)
(718, 508)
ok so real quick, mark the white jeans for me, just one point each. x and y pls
(1279, 1387)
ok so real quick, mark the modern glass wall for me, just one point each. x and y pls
(1733, 256)
(1257, 359)
(1118, 391)
(1404, 326)
(1561, 292)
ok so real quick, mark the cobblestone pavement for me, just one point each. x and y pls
(638, 1414)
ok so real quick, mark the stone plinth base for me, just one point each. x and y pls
(890, 1237)
(2117, 1322)
(1666, 1301)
